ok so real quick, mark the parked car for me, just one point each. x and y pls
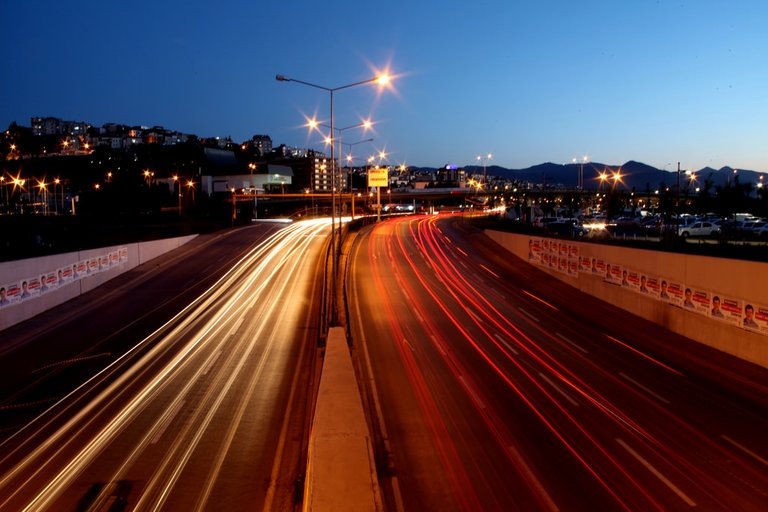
(565, 227)
(699, 229)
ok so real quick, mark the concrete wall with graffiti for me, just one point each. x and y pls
(30, 286)
(722, 303)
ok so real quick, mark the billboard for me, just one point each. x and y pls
(378, 178)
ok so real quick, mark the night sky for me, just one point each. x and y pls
(530, 82)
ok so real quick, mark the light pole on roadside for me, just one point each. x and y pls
(349, 160)
(484, 159)
(382, 80)
(365, 125)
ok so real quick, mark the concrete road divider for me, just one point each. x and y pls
(341, 472)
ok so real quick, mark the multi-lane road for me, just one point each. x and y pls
(187, 385)
(205, 412)
(493, 386)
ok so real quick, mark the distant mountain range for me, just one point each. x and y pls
(635, 175)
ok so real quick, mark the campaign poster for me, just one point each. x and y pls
(676, 293)
(701, 302)
(585, 264)
(79, 269)
(30, 288)
(6, 299)
(653, 284)
(123, 254)
(48, 282)
(103, 262)
(642, 284)
(599, 267)
(534, 250)
(64, 275)
(573, 251)
(716, 308)
(633, 280)
(545, 257)
(13, 293)
(553, 260)
(573, 267)
(732, 309)
(114, 259)
(761, 317)
(562, 249)
(562, 264)
(688, 298)
(664, 290)
(749, 321)
(624, 279)
(93, 265)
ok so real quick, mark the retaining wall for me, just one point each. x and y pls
(737, 283)
(62, 279)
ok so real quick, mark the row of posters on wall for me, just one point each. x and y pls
(564, 257)
(33, 287)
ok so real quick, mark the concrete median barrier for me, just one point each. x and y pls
(341, 472)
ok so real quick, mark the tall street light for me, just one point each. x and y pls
(381, 80)
(365, 125)
(349, 161)
(580, 177)
(484, 159)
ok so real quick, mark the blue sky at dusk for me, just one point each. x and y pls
(530, 82)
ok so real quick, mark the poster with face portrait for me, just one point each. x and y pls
(48, 282)
(633, 280)
(749, 319)
(123, 254)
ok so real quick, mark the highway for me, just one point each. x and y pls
(493, 386)
(206, 412)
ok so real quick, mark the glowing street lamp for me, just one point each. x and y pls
(178, 185)
(484, 159)
(580, 177)
(383, 80)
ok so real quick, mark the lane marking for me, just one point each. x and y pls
(540, 300)
(213, 361)
(656, 473)
(633, 381)
(528, 314)
(170, 415)
(528, 472)
(497, 292)
(644, 355)
(558, 389)
(494, 274)
(744, 449)
(504, 342)
(236, 326)
(579, 347)
(471, 392)
(439, 346)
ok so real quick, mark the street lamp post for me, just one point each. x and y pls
(365, 125)
(349, 160)
(178, 184)
(484, 159)
(382, 79)
(580, 177)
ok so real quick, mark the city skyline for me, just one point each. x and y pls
(657, 84)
